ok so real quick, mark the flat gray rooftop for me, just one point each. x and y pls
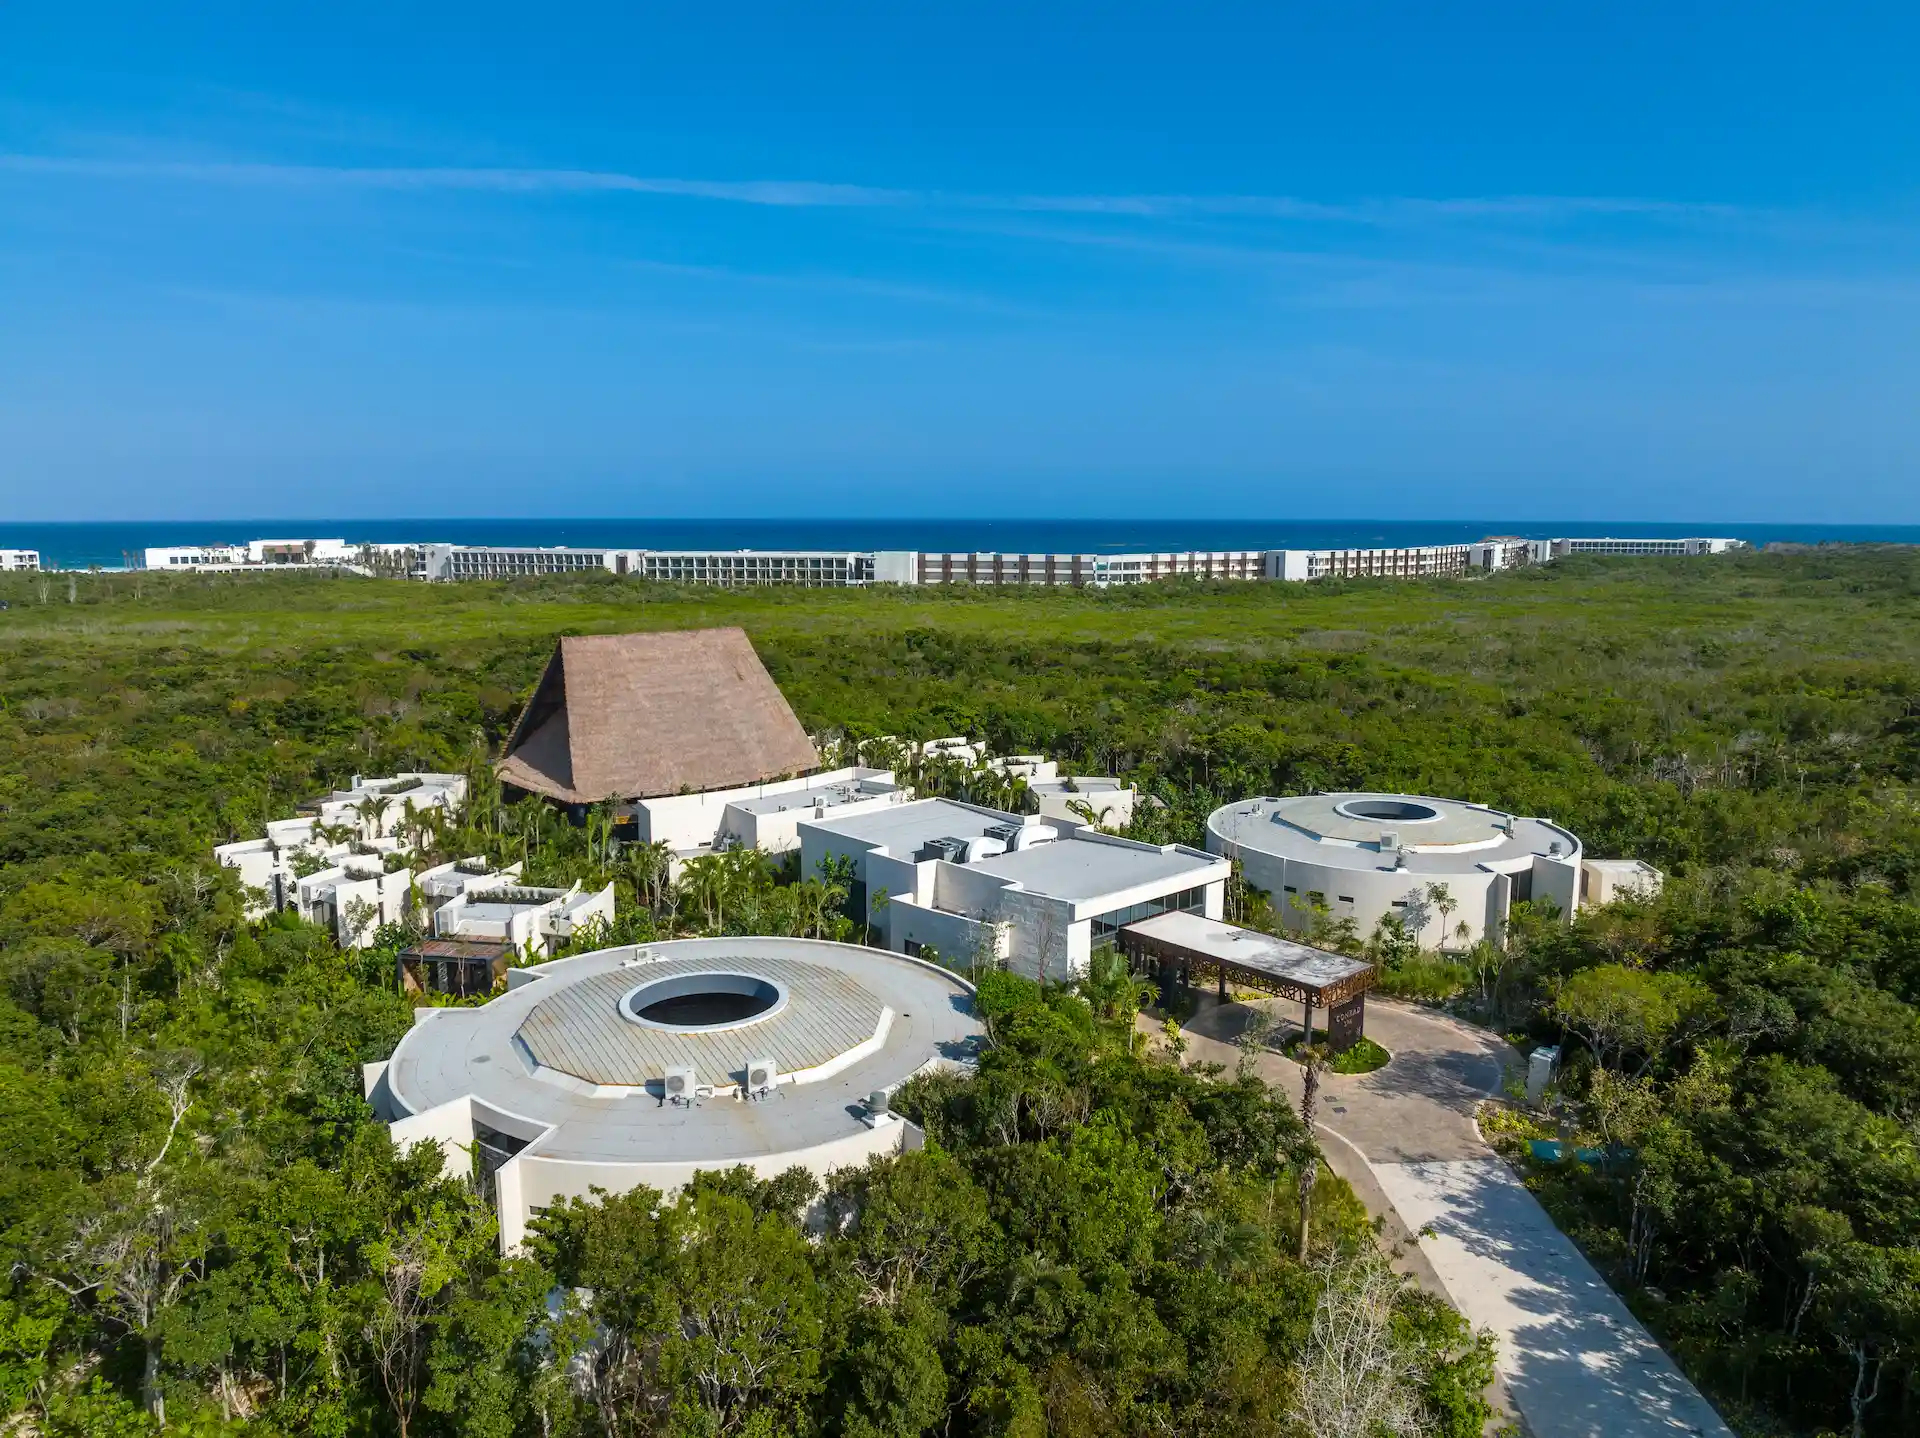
(1436, 836)
(1079, 786)
(845, 791)
(1284, 959)
(578, 1029)
(1083, 870)
(902, 828)
(459, 1053)
(487, 913)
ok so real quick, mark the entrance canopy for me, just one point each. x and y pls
(1207, 948)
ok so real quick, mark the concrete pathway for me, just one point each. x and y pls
(1577, 1362)
(1574, 1362)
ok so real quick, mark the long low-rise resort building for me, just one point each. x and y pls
(976, 886)
(819, 568)
(644, 1065)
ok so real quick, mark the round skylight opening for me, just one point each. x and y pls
(1389, 811)
(703, 1003)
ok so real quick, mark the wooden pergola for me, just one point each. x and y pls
(460, 968)
(1187, 948)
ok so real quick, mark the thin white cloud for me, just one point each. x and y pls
(1393, 211)
(512, 181)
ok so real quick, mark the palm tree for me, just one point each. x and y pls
(1313, 1059)
(705, 882)
(1083, 809)
(600, 834)
(815, 908)
(372, 810)
(648, 868)
(1441, 898)
(875, 908)
(1112, 989)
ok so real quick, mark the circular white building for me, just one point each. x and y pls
(645, 1064)
(1368, 856)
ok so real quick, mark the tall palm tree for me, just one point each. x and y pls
(648, 868)
(1313, 1059)
(372, 811)
(705, 882)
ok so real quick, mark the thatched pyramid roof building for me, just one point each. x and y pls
(629, 716)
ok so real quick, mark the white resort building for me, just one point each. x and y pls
(353, 897)
(1448, 870)
(339, 839)
(530, 921)
(973, 884)
(645, 1065)
(1365, 857)
(759, 816)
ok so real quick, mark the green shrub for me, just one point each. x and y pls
(1425, 979)
(1363, 1056)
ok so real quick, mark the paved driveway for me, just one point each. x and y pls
(1574, 1362)
(1417, 1109)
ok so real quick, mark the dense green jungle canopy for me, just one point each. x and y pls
(199, 1214)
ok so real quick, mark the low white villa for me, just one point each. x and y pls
(1038, 895)
(353, 898)
(377, 808)
(356, 829)
(759, 816)
(436, 886)
(533, 921)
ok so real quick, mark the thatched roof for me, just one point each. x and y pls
(628, 716)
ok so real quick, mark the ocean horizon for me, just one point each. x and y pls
(113, 545)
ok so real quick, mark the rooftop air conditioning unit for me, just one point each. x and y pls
(952, 849)
(877, 1107)
(1389, 841)
(762, 1075)
(678, 1084)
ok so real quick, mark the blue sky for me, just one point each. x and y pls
(1572, 261)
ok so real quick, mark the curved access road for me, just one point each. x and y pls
(1574, 1362)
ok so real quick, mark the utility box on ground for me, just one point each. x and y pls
(1540, 1066)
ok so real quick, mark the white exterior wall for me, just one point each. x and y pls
(1115, 806)
(689, 821)
(385, 894)
(779, 833)
(1557, 880)
(1604, 880)
(898, 878)
(530, 1180)
(957, 938)
(258, 864)
(576, 913)
(1373, 893)
(818, 844)
(896, 566)
(19, 559)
